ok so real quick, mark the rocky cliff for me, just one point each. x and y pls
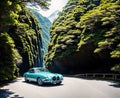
(45, 25)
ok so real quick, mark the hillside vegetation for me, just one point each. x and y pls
(20, 39)
(86, 37)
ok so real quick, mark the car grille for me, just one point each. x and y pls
(55, 78)
(58, 78)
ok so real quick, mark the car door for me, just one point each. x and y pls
(31, 75)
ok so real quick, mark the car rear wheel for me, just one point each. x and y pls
(39, 81)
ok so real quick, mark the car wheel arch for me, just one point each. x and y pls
(39, 81)
(38, 78)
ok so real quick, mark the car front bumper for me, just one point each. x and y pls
(51, 81)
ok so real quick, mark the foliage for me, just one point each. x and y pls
(19, 39)
(9, 10)
(8, 13)
(8, 57)
(94, 22)
(42, 3)
(64, 31)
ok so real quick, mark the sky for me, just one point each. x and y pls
(55, 5)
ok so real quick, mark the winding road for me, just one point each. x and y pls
(70, 88)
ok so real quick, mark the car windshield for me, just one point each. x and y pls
(41, 70)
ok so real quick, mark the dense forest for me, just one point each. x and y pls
(86, 38)
(20, 38)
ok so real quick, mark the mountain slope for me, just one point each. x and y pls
(54, 15)
(45, 34)
(21, 45)
(85, 37)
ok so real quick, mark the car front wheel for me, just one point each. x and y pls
(39, 81)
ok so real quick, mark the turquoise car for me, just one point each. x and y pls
(42, 75)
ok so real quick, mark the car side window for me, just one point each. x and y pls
(39, 70)
(31, 71)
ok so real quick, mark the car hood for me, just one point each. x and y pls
(48, 74)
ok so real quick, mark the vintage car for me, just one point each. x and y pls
(42, 75)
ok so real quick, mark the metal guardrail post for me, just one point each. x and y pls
(103, 76)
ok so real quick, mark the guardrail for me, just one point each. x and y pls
(99, 76)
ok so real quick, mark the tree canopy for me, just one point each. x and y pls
(10, 8)
(91, 25)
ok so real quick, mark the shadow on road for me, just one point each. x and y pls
(8, 82)
(116, 85)
(6, 93)
(44, 85)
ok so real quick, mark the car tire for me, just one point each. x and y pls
(39, 81)
(59, 83)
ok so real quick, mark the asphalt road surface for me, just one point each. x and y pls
(70, 88)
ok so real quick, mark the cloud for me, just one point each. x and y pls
(55, 5)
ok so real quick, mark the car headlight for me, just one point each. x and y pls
(47, 77)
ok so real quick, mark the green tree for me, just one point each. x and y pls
(10, 8)
(18, 35)
(42, 3)
(91, 25)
